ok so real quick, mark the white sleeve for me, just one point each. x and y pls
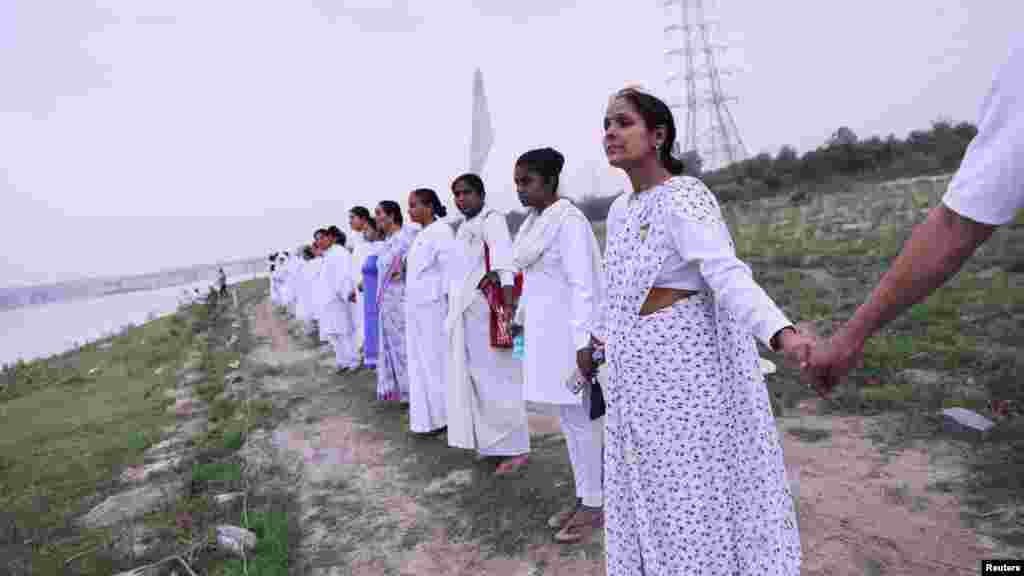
(709, 244)
(445, 246)
(500, 243)
(577, 262)
(989, 186)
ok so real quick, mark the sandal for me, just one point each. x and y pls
(582, 525)
(562, 518)
(511, 465)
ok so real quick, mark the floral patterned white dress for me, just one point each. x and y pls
(695, 483)
(393, 362)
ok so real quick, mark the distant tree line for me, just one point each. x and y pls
(844, 156)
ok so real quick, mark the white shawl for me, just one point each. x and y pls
(468, 427)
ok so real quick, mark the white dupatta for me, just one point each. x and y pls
(470, 426)
(536, 235)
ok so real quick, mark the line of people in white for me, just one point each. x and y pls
(689, 468)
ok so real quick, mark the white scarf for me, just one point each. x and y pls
(538, 231)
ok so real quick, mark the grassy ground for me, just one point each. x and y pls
(71, 423)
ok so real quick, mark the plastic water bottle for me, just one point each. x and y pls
(518, 347)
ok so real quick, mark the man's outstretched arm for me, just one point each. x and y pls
(936, 250)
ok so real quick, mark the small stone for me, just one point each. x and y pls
(922, 378)
(165, 448)
(450, 484)
(131, 504)
(227, 498)
(961, 419)
(142, 473)
(234, 539)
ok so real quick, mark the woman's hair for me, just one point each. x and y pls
(656, 113)
(360, 211)
(337, 234)
(547, 162)
(429, 197)
(392, 209)
(307, 252)
(473, 181)
(371, 223)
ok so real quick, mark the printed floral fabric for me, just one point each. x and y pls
(694, 477)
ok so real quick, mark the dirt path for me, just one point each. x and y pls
(375, 500)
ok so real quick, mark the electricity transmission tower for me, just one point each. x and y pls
(695, 85)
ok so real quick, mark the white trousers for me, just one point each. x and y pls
(586, 453)
(345, 353)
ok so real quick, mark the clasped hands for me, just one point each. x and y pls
(822, 364)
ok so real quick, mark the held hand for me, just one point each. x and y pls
(832, 361)
(796, 346)
(585, 362)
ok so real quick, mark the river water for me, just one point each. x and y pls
(39, 331)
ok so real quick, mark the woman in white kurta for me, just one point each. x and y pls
(486, 411)
(560, 259)
(305, 274)
(694, 476)
(336, 323)
(426, 308)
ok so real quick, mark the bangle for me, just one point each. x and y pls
(774, 341)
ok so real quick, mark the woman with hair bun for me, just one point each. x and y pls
(561, 262)
(694, 477)
(426, 307)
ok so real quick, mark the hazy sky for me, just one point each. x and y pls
(136, 136)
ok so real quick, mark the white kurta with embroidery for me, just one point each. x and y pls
(426, 307)
(486, 411)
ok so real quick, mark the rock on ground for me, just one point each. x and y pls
(131, 504)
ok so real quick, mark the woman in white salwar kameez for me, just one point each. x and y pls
(426, 308)
(393, 366)
(336, 323)
(486, 411)
(694, 477)
(561, 263)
